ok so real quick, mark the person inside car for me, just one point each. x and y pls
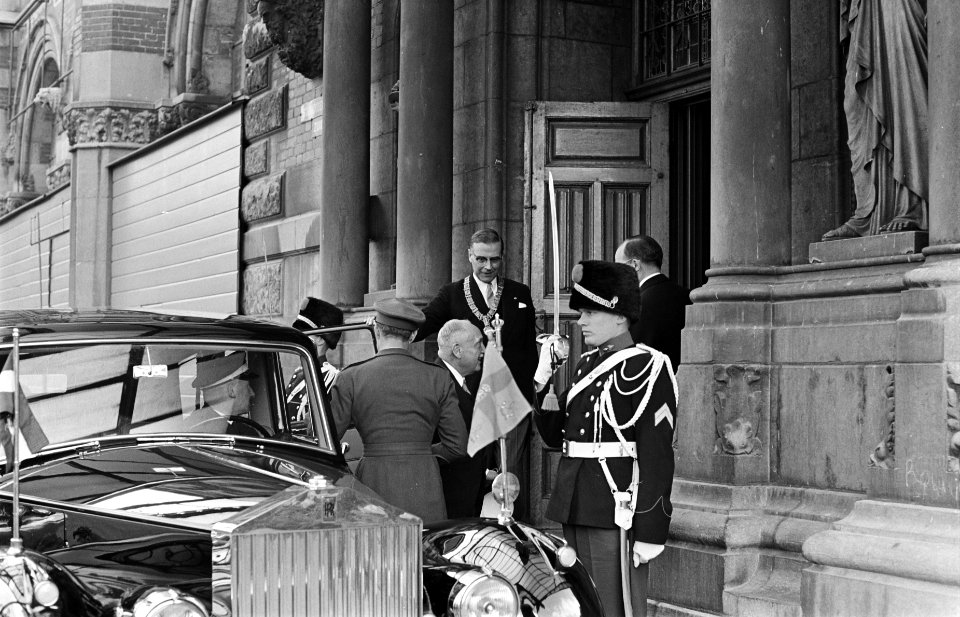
(225, 393)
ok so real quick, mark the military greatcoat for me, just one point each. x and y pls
(397, 403)
(581, 494)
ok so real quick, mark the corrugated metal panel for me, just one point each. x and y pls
(35, 255)
(176, 222)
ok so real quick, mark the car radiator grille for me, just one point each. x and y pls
(331, 552)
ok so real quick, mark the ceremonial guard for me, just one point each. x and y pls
(398, 403)
(615, 428)
(314, 314)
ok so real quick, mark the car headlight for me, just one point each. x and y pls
(486, 596)
(168, 602)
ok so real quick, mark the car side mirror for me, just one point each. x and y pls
(344, 447)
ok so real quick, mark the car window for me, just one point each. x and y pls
(80, 392)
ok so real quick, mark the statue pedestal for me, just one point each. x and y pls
(901, 243)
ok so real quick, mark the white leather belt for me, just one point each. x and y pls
(603, 449)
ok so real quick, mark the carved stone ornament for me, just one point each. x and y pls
(58, 176)
(953, 415)
(296, 29)
(883, 452)
(738, 406)
(110, 125)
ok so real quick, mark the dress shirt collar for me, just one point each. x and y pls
(456, 374)
(483, 286)
(647, 278)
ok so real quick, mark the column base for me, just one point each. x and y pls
(885, 559)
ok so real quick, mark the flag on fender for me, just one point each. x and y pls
(32, 432)
(500, 406)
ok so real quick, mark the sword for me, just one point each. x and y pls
(550, 402)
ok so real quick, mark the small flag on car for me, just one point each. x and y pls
(500, 406)
(32, 432)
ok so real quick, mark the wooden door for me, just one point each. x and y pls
(609, 164)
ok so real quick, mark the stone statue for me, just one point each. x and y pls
(885, 102)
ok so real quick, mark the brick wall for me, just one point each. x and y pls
(123, 28)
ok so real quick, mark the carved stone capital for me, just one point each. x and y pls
(296, 29)
(738, 404)
(113, 124)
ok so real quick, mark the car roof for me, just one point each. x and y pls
(42, 325)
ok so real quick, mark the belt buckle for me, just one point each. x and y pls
(566, 448)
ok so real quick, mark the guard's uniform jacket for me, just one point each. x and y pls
(397, 403)
(295, 393)
(582, 494)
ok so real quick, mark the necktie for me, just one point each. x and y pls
(490, 294)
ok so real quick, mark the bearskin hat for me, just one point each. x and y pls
(315, 313)
(606, 286)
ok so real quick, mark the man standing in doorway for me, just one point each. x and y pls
(662, 302)
(478, 298)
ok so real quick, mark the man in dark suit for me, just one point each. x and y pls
(460, 350)
(478, 298)
(662, 302)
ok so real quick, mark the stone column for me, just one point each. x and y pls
(425, 151)
(345, 189)
(750, 153)
(943, 38)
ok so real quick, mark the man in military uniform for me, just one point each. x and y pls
(314, 313)
(615, 427)
(398, 403)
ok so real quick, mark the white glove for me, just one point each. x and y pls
(554, 350)
(644, 552)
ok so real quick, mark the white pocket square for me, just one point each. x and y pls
(521, 305)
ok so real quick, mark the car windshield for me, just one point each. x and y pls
(73, 392)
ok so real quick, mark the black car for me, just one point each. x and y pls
(160, 475)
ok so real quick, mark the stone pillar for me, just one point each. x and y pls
(750, 153)
(425, 151)
(345, 191)
(943, 37)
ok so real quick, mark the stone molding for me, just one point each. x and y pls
(897, 539)
(953, 415)
(884, 452)
(738, 406)
(296, 30)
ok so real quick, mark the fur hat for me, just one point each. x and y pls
(315, 313)
(606, 286)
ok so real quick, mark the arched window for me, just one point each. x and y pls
(40, 128)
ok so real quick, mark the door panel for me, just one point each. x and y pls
(609, 165)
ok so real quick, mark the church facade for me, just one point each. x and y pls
(238, 155)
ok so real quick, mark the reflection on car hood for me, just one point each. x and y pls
(199, 484)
